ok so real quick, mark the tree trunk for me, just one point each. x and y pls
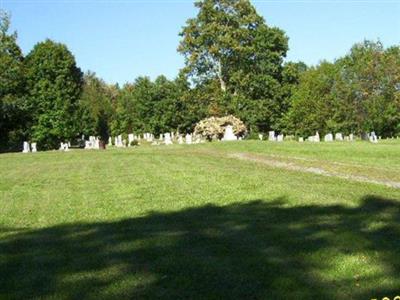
(221, 80)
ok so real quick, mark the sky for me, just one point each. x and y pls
(120, 40)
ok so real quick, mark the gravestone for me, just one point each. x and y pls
(260, 136)
(110, 141)
(26, 148)
(167, 139)
(271, 136)
(301, 140)
(64, 147)
(229, 135)
(188, 139)
(328, 137)
(96, 144)
(120, 143)
(339, 136)
(314, 138)
(279, 138)
(33, 147)
(180, 140)
(373, 138)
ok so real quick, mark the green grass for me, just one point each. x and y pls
(191, 222)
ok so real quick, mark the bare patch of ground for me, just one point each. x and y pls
(276, 163)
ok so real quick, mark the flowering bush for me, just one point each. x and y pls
(213, 128)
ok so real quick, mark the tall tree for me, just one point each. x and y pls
(229, 42)
(55, 84)
(12, 88)
(95, 107)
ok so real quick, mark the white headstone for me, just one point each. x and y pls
(110, 141)
(339, 136)
(351, 137)
(271, 136)
(64, 147)
(26, 148)
(301, 140)
(316, 137)
(260, 136)
(188, 139)
(229, 135)
(131, 138)
(279, 138)
(373, 138)
(119, 141)
(96, 144)
(33, 147)
(167, 139)
(180, 140)
(328, 137)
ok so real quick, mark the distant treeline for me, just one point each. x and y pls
(234, 64)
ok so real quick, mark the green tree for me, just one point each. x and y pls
(313, 104)
(230, 43)
(55, 84)
(357, 93)
(368, 88)
(12, 88)
(95, 107)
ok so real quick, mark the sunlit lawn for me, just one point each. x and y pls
(191, 221)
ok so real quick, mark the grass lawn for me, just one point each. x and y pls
(197, 222)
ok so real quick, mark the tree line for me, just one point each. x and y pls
(234, 64)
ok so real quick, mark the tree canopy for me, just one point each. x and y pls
(357, 93)
(54, 87)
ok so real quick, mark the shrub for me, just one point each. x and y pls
(135, 143)
(213, 128)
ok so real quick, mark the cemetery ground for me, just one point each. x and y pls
(234, 220)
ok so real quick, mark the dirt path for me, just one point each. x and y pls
(319, 171)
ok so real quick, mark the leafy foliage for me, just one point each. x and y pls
(358, 93)
(12, 87)
(54, 84)
(230, 43)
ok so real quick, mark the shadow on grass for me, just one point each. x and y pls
(255, 250)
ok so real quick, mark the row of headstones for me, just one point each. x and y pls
(29, 148)
(92, 143)
(33, 147)
(272, 137)
(164, 139)
(167, 139)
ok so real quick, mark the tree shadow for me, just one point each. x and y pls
(253, 250)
